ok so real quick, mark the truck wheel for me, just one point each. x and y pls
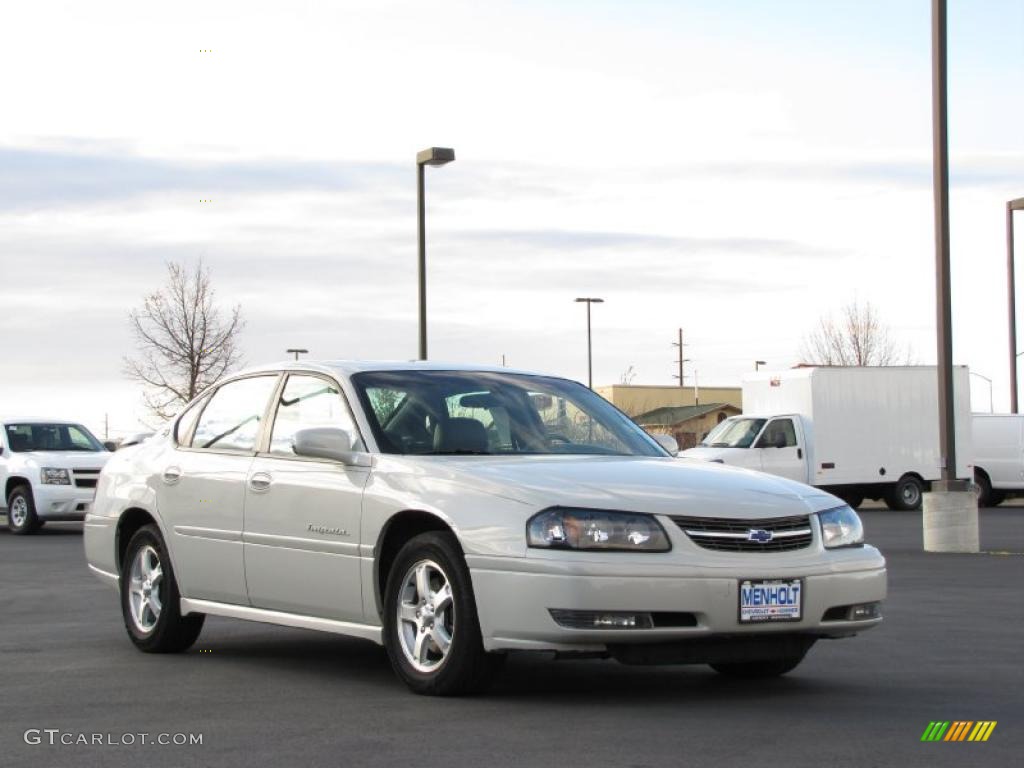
(998, 497)
(852, 499)
(150, 600)
(431, 629)
(905, 495)
(983, 489)
(21, 511)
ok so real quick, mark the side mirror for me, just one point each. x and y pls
(328, 443)
(780, 441)
(668, 443)
(110, 445)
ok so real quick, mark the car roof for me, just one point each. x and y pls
(30, 420)
(350, 367)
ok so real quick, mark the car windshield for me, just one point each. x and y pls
(734, 433)
(476, 412)
(51, 437)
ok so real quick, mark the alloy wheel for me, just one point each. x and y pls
(426, 616)
(145, 580)
(18, 513)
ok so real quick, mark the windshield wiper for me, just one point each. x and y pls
(460, 452)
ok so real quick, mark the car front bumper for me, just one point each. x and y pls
(62, 502)
(514, 598)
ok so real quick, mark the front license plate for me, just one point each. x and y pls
(771, 600)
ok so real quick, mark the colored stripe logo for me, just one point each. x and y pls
(958, 730)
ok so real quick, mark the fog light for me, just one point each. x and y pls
(865, 611)
(601, 619)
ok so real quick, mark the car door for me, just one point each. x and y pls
(302, 515)
(781, 450)
(201, 488)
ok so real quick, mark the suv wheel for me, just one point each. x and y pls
(21, 511)
(150, 600)
(431, 630)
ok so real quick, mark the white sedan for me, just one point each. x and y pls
(455, 514)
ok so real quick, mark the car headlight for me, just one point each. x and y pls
(595, 529)
(53, 476)
(841, 527)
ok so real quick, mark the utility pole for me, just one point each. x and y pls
(682, 373)
(106, 426)
(696, 389)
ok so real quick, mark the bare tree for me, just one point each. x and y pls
(185, 341)
(858, 337)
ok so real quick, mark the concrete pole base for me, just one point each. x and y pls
(951, 521)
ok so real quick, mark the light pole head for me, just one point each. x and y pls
(590, 301)
(435, 156)
(297, 352)
(1016, 205)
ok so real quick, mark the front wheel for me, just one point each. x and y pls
(431, 630)
(150, 600)
(906, 494)
(758, 670)
(21, 511)
(983, 489)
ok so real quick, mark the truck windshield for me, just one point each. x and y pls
(734, 433)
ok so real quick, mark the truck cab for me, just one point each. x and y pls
(773, 444)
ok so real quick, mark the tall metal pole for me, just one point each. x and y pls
(680, 357)
(1011, 295)
(940, 184)
(590, 360)
(422, 264)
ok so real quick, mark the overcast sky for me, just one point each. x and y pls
(734, 168)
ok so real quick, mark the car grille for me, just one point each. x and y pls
(731, 535)
(86, 478)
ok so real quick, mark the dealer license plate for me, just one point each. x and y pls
(771, 600)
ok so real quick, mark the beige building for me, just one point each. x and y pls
(686, 423)
(635, 399)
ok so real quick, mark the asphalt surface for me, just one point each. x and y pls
(950, 649)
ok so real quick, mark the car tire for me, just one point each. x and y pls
(433, 640)
(21, 511)
(906, 494)
(998, 497)
(983, 489)
(150, 601)
(758, 670)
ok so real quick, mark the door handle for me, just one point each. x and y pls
(260, 481)
(799, 453)
(172, 475)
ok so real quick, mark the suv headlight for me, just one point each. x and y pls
(841, 527)
(53, 476)
(596, 529)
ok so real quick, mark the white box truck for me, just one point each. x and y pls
(870, 432)
(998, 440)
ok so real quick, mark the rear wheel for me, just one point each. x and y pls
(758, 670)
(150, 600)
(431, 630)
(906, 494)
(21, 511)
(983, 489)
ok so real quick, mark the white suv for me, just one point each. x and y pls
(48, 471)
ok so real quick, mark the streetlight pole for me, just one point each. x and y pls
(940, 184)
(297, 352)
(431, 156)
(950, 510)
(1011, 206)
(758, 364)
(590, 358)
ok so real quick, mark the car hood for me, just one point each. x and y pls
(653, 485)
(66, 459)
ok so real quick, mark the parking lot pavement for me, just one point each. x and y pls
(950, 649)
